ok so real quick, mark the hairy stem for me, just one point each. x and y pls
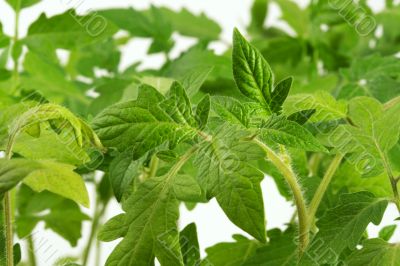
(31, 251)
(285, 168)
(319, 194)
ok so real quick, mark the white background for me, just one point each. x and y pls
(212, 224)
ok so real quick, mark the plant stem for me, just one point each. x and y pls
(391, 103)
(288, 173)
(319, 194)
(9, 230)
(15, 40)
(31, 251)
(8, 222)
(392, 179)
(96, 220)
(153, 166)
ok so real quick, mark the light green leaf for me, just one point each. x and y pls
(375, 252)
(374, 131)
(224, 172)
(60, 179)
(51, 146)
(251, 71)
(62, 120)
(327, 108)
(342, 226)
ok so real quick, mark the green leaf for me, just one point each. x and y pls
(50, 79)
(279, 94)
(4, 42)
(279, 251)
(186, 188)
(327, 108)
(178, 106)
(202, 111)
(278, 129)
(194, 79)
(231, 253)
(123, 170)
(189, 24)
(63, 121)
(375, 252)
(113, 230)
(15, 170)
(299, 23)
(60, 179)
(151, 23)
(61, 215)
(259, 11)
(225, 173)
(102, 54)
(374, 131)
(142, 125)
(301, 117)
(387, 232)
(373, 76)
(111, 92)
(51, 146)
(66, 31)
(378, 185)
(251, 71)
(190, 245)
(343, 226)
(152, 213)
(17, 5)
(231, 110)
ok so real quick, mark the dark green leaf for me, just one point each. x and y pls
(251, 71)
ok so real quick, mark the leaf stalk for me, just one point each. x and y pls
(326, 180)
